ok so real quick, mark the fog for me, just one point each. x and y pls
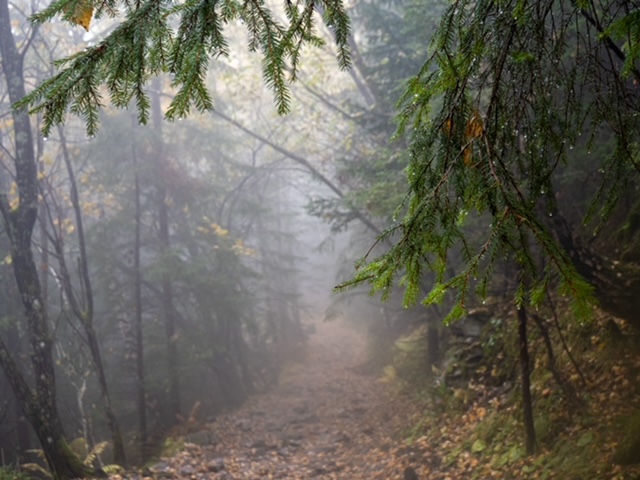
(204, 195)
(183, 265)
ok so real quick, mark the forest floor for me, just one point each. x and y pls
(330, 417)
(322, 421)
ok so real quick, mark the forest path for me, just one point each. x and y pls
(323, 421)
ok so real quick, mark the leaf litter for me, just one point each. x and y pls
(328, 419)
(324, 420)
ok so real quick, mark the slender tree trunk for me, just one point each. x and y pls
(167, 288)
(44, 247)
(527, 408)
(22, 432)
(567, 388)
(232, 385)
(137, 288)
(23, 443)
(40, 405)
(84, 313)
(242, 355)
(167, 305)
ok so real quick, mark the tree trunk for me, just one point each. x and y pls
(22, 437)
(242, 356)
(168, 309)
(137, 288)
(41, 411)
(40, 405)
(84, 313)
(567, 388)
(527, 408)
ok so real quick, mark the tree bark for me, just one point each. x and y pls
(527, 408)
(41, 411)
(39, 405)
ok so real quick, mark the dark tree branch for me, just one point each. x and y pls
(304, 162)
(611, 45)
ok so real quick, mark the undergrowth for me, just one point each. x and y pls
(10, 473)
(475, 426)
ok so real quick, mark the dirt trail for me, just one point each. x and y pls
(323, 421)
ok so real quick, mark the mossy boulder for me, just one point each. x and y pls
(628, 451)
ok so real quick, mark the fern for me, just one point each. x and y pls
(80, 448)
(37, 468)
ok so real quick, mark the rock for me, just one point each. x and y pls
(187, 470)
(471, 326)
(273, 427)
(160, 469)
(261, 444)
(215, 465)
(292, 441)
(311, 418)
(628, 450)
(323, 450)
(202, 438)
(243, 424)
(341, 438)
(344, 414)
(224, 475)
(258, 444)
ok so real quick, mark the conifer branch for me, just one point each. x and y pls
(604, 36)
(145, 44)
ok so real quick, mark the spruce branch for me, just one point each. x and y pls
(145, 45)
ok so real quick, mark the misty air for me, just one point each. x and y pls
(319, 239)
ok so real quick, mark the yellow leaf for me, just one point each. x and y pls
(475, 126)
(8, 260)
(474, 130)
(467, 153)
(80, 13)
(448, 126)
